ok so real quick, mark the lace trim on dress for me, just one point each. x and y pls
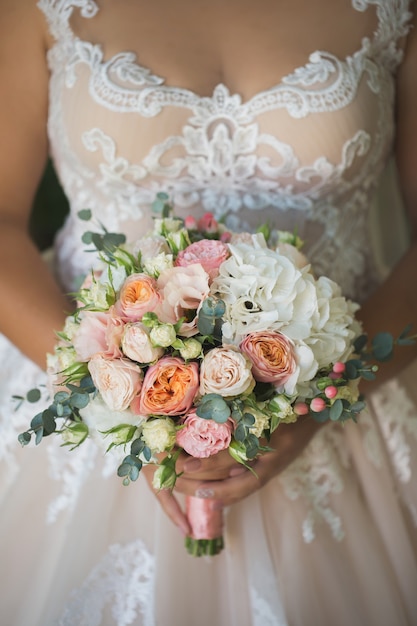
(398, 424)
(122, 580)
(324, 83)
(315, 476)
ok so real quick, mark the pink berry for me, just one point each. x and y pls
(225, 237)
(300, 408)
(317, 405)
(190, 222)
(339, 367)
(330, 392)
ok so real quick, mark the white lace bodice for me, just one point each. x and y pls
(306, 153)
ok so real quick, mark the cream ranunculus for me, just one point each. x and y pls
(227, 372)
(118, 380)
(159, 434)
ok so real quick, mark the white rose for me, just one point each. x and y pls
(150, 247)
(118, 380)
(261, 421)
(226, 372)
(166, 224)
(159, 434)
(281, 405)
(154, 266)
(136, 344)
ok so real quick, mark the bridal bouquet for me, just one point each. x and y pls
(200, 340)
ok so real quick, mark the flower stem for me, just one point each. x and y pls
(204, 547)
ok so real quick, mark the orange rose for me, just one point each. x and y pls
(168, 388)
(138, 296)
(272, 355)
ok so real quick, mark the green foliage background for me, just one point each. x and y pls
(49, 209)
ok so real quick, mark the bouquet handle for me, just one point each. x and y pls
(206, 520)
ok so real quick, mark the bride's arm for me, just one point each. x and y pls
(394, 305)
(32, 306)
(391, 308)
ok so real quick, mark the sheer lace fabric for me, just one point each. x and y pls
(332, 539)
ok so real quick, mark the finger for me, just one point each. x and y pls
(168, 503)
(173, 510)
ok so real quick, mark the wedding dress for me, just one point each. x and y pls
(333, 539)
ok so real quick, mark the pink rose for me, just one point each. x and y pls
(138, 296)
(168, 388)
(202, 438)
(118, 380)
(182, 290)
(272, 356)
(210, 253)
(98, 332)
(90, 337)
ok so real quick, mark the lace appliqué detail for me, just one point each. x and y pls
(122, 580)
(315, 476)
(398, 423)
(262, 612)
(70, 469)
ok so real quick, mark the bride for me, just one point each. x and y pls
(280, 111)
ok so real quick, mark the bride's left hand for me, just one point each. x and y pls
(222, 478)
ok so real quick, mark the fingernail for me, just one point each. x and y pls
(192, 466)
(204, 492)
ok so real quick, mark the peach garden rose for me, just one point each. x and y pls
(138, 295)
(169, 388)
(118, 380)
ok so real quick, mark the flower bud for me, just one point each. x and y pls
(163, 335)
(191, 349)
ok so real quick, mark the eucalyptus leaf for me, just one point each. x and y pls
(33, 395)
(61, 396)
(321, 416)
(79, 400)
(240, 433)
(336, 410)
(85, 214)
(24, 438)
(87, 237)
(360, 343)
(48, 421)
(382, 346)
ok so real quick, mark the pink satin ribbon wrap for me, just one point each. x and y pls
(206, 521)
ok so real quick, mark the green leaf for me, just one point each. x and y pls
(382, 346)
(357, 407)
(205, 324)
(61, 396)
(113, 240)
(321, 416)
(48, 420)
(405, 332)
(336, 410)
(248, 419)
(37, 422)
(368, 375)
(24, 438)
(360, 343)
(137, 447)
(85, 214)
(33, 395)
(87, 237)
(214, 407)
(240, 433)
(79, 400)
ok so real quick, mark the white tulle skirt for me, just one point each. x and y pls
(331, 541)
